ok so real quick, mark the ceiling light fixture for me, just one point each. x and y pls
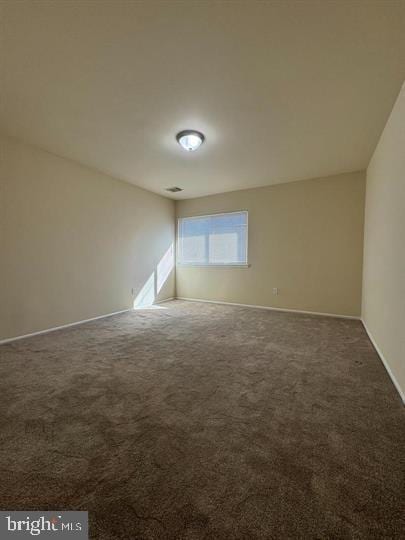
(190, 140)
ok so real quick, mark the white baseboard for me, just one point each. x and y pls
(385, 363)
(47, 330)
(270, 308)
(165, 300)
(53, 329)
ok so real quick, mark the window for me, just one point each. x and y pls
(219, 239)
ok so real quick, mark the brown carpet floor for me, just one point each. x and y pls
(205, 421)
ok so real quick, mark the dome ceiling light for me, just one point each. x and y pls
(190, 139)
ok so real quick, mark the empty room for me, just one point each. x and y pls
(202, 269)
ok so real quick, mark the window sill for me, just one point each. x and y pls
(214, 265)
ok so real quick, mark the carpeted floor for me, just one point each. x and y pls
(205, 421)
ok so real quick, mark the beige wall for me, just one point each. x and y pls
(74, 242)
(384, 245)
(306, 238)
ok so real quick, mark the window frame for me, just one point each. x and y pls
(213, 265)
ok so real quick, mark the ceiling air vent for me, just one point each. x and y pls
(174, 189)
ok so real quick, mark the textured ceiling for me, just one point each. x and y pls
(282, 90)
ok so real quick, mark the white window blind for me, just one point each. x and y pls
(218, 239)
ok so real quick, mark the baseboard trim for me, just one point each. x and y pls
(270, 308)
(385, 363)
(165, 300)
(53, 329)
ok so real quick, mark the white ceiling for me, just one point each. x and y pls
(283, 90)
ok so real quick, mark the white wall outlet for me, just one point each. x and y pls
(275, 291)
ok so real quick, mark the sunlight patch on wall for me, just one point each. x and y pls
(164, 268)
(146, 295)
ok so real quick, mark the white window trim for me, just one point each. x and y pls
(216, 265)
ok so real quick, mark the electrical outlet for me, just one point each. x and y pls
(275, 291)
(132, 291)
